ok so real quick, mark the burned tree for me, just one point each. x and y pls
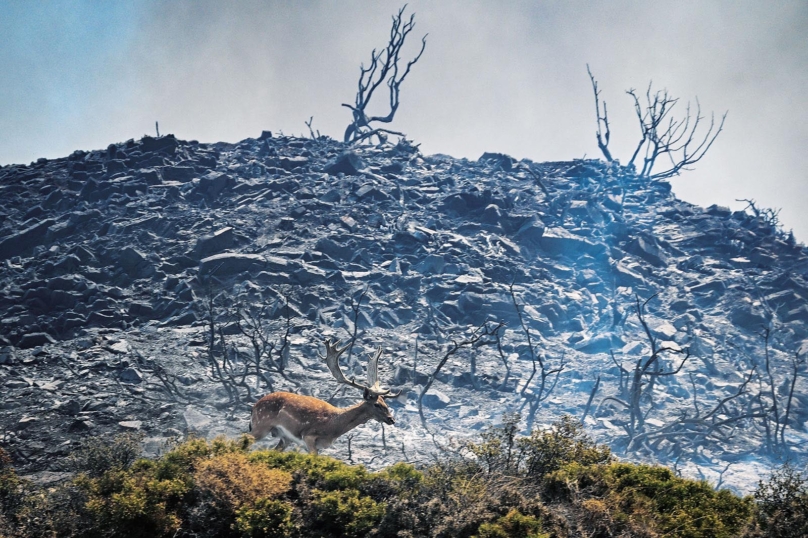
(385, 68)
(678, 142)
(667, 138)
(775, 414)
(603, 121)
(640, 380)
(547, 375)
(485, 334)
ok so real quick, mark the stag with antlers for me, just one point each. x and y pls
(314, 423)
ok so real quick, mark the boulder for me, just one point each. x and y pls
(435, 399)
(216, 242)
(131, 375)
(35, 340)
(348, 163)
(560, 241)
(23, 242)
(183, 174)
(501, 160)
(649, 250)
(230, 263)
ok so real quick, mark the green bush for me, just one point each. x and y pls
(97, 455)
(645, 499)
(266, 518)
(345, 513)
(502, 450)
(565, 442)
(513, 525)
(783, 503)
(323, 472)
(135, 502)
(11, 495)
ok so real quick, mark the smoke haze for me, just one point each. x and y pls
(496, 76)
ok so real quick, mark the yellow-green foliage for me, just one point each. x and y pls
(403, 476)
(783, 503)
(99, 455)
(327, 473)
(345, 513)
(638, 497)
(501, 450)
(134, 502)
(231, 481)
(155, 497)
(9, 482)
(566, 441)
(513, 525)
(337, 507)
(266, 518)
(10, 494)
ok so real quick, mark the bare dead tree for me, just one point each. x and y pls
(591, 398)
(312, 135)
(775, 415)
(356, 309)
(168, 381)
(677, 142)
(485, 334)
(216, 370)
(504, 359)
(715, 425)
(385, 68)
(268, 354)
(767, 215)
(548, 375)
(603, 133)
(643, 376)
(667, 138)
(246, 374)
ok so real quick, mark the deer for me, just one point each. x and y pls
(313, 423)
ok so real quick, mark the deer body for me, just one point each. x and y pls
(314, 423)
(310, 422)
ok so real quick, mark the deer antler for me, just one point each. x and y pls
(373, 377)
(373, 389)
(332, 354)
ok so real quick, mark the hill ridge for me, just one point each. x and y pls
(115, 261)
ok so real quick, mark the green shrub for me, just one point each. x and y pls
(783, 503)
(266, 518)
(513, 525)
(565, 442)
(555, 483)
(200, 483)
(646, 499)
(231, 481)
(345, 513)
(10, 486)
(502, 450)
(97, 455)
(321, 471)
(132, 503)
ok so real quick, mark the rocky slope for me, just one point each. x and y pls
(162, 286)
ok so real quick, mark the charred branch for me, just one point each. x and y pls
(385, 68)
(485, 334)
(603, 132)
(664, 138)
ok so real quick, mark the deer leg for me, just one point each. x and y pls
(281, 445)
(311, 444)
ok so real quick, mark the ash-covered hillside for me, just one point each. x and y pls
(163, 286)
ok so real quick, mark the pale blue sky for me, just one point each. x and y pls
(496, 76)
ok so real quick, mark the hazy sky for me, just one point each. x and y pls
(496, 76)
